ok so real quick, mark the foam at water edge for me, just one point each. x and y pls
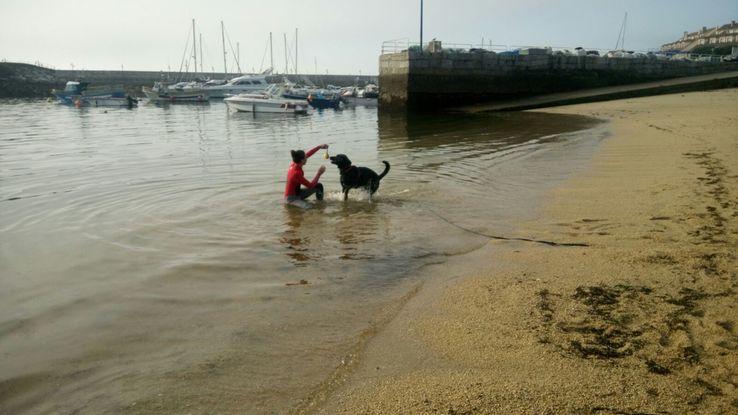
(354, 194)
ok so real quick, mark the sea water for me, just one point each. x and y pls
(147, 262)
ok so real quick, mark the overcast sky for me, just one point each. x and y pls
(341, 36)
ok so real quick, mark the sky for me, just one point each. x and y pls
(334, 36)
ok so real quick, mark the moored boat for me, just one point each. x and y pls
(371, 91)
(176, 93)
(76, 93)
(269, 101)
(323, 100)
(238, 85)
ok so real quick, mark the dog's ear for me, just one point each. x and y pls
(346, 159)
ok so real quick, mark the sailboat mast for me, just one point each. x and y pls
(201, 59)
(271, 52)
(286, 67)
(222, 37)
(238, 56)
(625, 23)
(295, 51)
(621, 34)
(194, 44)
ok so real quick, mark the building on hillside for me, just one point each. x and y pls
(716, 37)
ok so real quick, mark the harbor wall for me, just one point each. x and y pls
(19, 80)
(425, 80)
(147, 78)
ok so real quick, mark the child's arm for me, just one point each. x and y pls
(312, 151)
(320, 172)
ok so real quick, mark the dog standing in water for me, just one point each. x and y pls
(293, 194)
(355, 177)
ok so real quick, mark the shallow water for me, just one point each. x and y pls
(145, 253)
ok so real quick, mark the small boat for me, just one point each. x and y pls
(180, 92)
(76, 94)
(371, 91)
(323, 100)
(270, 101)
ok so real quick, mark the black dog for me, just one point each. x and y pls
(355, 177)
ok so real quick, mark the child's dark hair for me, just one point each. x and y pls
(297, 155)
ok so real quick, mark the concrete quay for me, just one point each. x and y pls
(668, 86)
(413, 80)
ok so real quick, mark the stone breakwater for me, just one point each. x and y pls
(20, 80)
(431, 80)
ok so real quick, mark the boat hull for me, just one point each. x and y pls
(321, 101)
(97, 101)
(224, 91)
(267, 106)
(176, 96)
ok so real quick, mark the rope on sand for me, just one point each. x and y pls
(506, 238)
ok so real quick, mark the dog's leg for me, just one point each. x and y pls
(345, 193)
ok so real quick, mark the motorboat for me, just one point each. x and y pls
(179, 92)
(348, 91)
(371, 91)
(238, 85)
(269, 100)
(76, 93)
(324, 99)
(353, 95)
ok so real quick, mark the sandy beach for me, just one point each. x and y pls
(641, 319)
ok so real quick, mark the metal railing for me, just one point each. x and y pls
(399, 45)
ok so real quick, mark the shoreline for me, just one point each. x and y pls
(641, 320)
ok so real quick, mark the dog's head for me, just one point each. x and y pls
(341, 161)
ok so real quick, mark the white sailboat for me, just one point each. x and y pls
(184, 91)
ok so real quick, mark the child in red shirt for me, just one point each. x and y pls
(293, 194)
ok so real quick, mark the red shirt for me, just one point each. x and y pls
(296, 177)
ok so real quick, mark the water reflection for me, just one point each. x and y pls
(301, 234)
(431, 131)
(356, 228)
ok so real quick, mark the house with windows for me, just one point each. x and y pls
(707, 40)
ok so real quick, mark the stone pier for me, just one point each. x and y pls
(425, 80)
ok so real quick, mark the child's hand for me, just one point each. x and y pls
(324, 146)
(321, 170)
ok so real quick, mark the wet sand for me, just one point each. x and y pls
(641, 320)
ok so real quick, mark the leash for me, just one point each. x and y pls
(505, 238)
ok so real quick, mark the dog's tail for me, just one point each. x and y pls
(386, 170)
